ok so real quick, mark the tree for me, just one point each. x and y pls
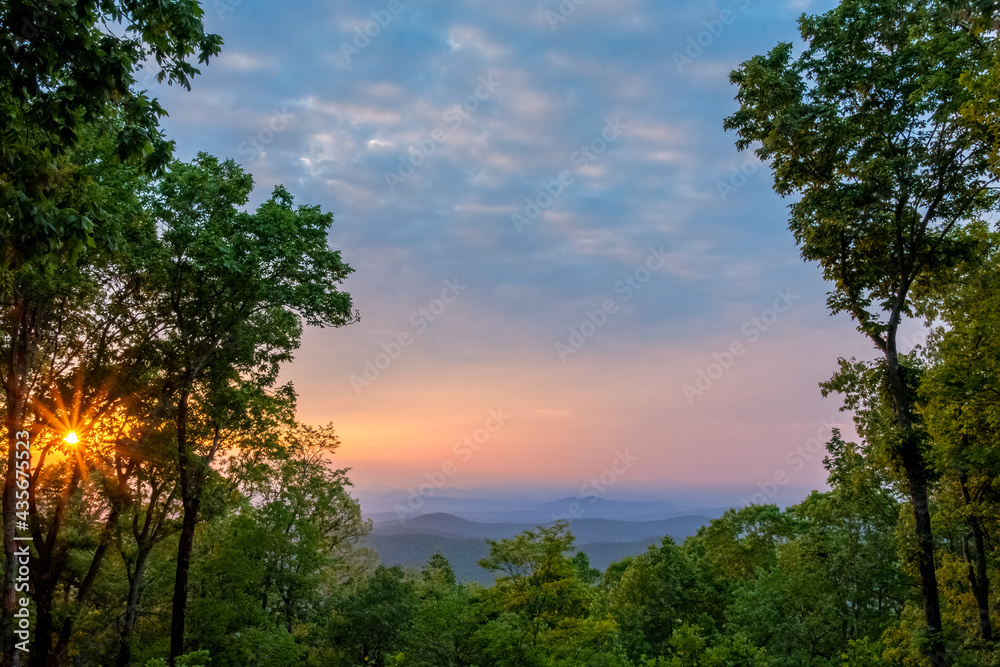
(65, 69)
(657, 592)
(150, 512)
(865, 126)
(689, 648)
(95, 374)
(305, 523)
(370, 621)
(742, 543)
(979, 19)
(959, 404)
(273, 555)
(65, 72)
(539, 606)
(234, 289)
(444, 620)
(87, 364)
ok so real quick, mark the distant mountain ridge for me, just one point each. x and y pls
(463, 542)
(526, 510)
(464, 555)
(585, 530)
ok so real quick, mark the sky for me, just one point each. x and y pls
(565, 270)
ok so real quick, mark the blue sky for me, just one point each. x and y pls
(545, 218)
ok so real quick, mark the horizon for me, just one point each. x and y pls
(505, 498)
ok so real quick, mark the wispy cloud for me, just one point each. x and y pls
(350, 121)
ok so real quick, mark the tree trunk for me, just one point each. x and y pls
(131, 609)
(58, 655)
(917, 484)
(978, 576)
(915, 469)
(190, 503)
(41, 647)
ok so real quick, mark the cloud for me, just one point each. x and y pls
(451, 118)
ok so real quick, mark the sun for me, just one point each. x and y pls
(72, 438)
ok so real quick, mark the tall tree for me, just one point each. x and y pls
(65, 70)
(865, 127)
(235, 290)
(959, 404)
(91, 367)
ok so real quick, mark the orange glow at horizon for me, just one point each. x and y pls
(563, 426)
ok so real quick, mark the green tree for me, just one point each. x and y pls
(865, 126)
(64, 74)
(445, 619)
(690, 648)
(305, 523)
(833, 583)
(741, 544)
(539, 608)
(369, 623)
(271, 558)
(657, 592)
(586, 574)
(233, 291)
(979, 20)
(88, 365)
(959, 405)
(149, 513)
